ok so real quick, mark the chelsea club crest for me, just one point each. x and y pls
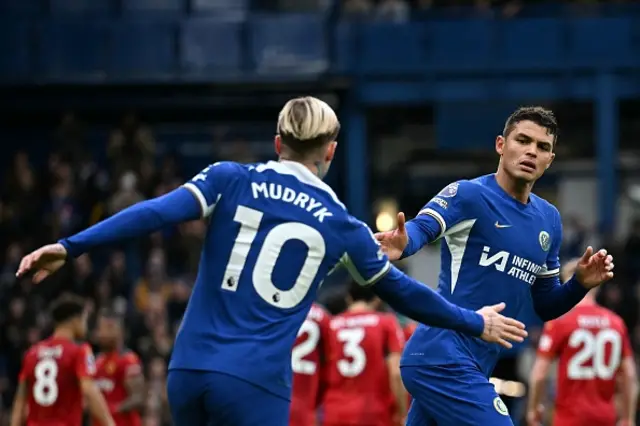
(545, 240)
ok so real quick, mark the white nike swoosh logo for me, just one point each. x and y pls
(502, 226)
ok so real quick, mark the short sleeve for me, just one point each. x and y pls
(551, 340)
(551, 241)
(85, 362)
(627, 349)
(26, 367)
(394, 336)
(207, 186)
(131, 366)
(451, 205)
(364, 258)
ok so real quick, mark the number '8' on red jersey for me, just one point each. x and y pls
(590, 343)
(51, 371)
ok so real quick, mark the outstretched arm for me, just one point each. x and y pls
(369, 266)
(179, 205)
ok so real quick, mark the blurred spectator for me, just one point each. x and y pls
(130, 144)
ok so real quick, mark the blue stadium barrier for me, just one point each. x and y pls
(74, 49)
(463, 44)
(15, 43)
(614, 41)
(295, 44)
(210, 47)
(548, 47)
(99, 8)
(383, 48)
(143, 49)
(221, 9)
(146, 8)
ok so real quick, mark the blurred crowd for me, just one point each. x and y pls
(402, 10)
(148, 281)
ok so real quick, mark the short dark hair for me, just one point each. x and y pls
(110, 314)
(66, 307)
(358, 292)
(541, 116)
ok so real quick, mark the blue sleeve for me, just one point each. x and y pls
(363, 258)
(369, 266)
(444, 211)
(142, 218)
(196, 198)
(420, 303)
(208, 185)
(551, 298)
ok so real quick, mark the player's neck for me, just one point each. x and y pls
(63, 333)
(359, 307)
(515, 188)
(317, 168)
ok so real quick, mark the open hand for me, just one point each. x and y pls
(394, 242)
(500, 329)
(594, 269)
(44, 262)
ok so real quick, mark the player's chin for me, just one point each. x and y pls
(526, 174)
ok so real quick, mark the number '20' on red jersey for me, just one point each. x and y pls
(358, 390)
(307, 361)
(590, 343)
(51, 371)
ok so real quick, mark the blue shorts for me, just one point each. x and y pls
(207, 398)
(452, 396)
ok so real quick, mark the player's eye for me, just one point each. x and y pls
(544, 146)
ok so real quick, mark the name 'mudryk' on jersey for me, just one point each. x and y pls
(494, 248)
(275, 231)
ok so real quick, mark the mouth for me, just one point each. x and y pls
(528, 166)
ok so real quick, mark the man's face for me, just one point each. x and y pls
(526, 152)
(107, 332)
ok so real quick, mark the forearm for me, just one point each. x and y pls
(420, 303)
(552, 299)
(536, 393)
(422, 230)
(140, 219)
(17, 413)
(133, 402)
(629, 399)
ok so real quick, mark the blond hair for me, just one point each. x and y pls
(307, 123)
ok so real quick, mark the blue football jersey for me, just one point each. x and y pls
(275, 231)
(493, 250)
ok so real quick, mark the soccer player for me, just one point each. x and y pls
(58, 372)
(275, 230)
(308, 362)
(364, 349)
(499, 242)
(594, 351)
(119, 372)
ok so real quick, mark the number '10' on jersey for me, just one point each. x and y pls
(275, 231)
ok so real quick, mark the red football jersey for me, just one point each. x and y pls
(306, 361)
(358, 391)
(51, 371)
(590, 342)
(113, 369)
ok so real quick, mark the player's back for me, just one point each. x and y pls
(51, 371)
(307, 359)
(590, 342)
(275, 232)
(358, 389)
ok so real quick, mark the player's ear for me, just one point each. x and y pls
(277, 143)
(553, 156)
(331, 151)
(500, 141)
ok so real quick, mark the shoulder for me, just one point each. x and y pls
(548, 210)
(318, 312)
